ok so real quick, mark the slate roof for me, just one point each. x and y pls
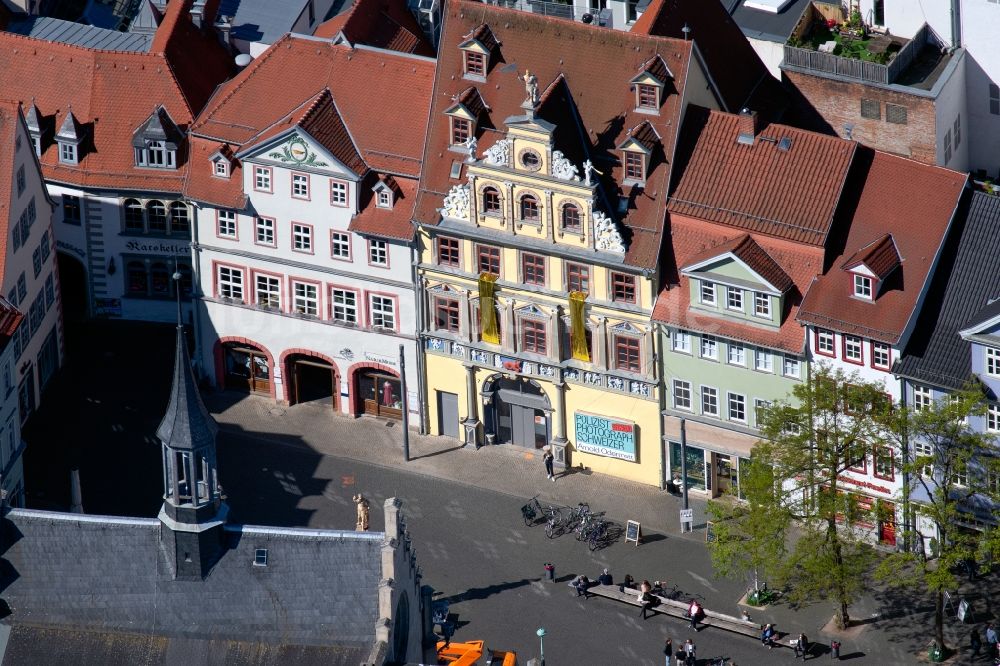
(51, 646)
(99, 573)
(965, 283)
(68, 32)
(591, 113)
(111, 94)
(262, 20)
(753, 255)
(319, 91)
(186, 423)
(690, 239)
(914, 203)
(737, 71)
(765, 26)
(759, 187)
(385, 24)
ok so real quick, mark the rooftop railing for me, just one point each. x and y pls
(602, 17)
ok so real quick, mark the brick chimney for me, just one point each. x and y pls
(749, 126)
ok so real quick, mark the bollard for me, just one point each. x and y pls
(835, 650)
(550, 572)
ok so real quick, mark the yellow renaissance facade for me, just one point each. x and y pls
(534, 329)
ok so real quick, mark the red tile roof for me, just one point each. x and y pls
(738, 73)
(385, 24)
(111, 94)
(395, 222)
(912, 202)
(691, 239)
(585, 72)
(880, 257)
(753, 255)
(760, 187)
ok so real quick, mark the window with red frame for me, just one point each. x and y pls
(578, 278)
(461, 130)
(475, 63)
(647, 96)
(825, 343)
(533, 269)
(853, 349)
(491, 201)
(635, 167)
(627, 354)
(446, 314)
(529, 208)
(571, 217)
(857, 458)
(533, 336)
(448, 249)
(622, 288)
(881, 356)
(884, 463)
(489, 259)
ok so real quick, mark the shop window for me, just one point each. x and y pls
(533, 336)
(571, 218)
(156, 217)
(448, 252)
(491, 201)
(529, 208)
(136, 278)
(488, 259)
(446, 314)
(628, 356)
(159, 279)
(533, 269)
(154, 278)
(694, 462)
(577, 278)
(622, 288)
(344, 306)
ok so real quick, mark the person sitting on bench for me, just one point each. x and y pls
(581, 584)
(605, 578)
(628, 583)
(646, 598)
(767, 636)
(695, 613)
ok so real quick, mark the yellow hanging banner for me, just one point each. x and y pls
(578, 327)
(490, 330)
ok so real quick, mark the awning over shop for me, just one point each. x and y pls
(710, 437)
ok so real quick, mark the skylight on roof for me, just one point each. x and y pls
(769, 6)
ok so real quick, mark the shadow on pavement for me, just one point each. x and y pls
(478, 593)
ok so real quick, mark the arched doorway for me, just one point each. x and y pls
(311, 379)
(72, 287)
(516, 411)
(378, 392)
(245, 368)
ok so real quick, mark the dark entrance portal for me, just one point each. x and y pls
(313, 380)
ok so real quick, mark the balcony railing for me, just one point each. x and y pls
(602, 17)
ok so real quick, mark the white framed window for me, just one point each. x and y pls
(682, 342)
(229, 282)
(709, 401)
(763, 361)
(737, 354)
(338, 193)
(384, 199)
(993, 362)
(300, 185)
(267, 290)
(761, 305)
(790, 367)
(340, 245)
(302, 237)
(924, 450)
(707, 292)
(344, 306)
(881, 355)
(993, 418)
(227, 223)
(305, 298)
(921, 397)
(709, 347)
(262, 179)
(67, 153)
(826, 342)
(734, 299)
(760, 408)
(682, 394)
(221, 168)
(863, 287)
(960, 479)
(853, 349)
(383, 311)
(737, 407)
(378, 252)
(264, 231)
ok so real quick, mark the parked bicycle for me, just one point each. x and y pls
(531, 511)
(555, 522)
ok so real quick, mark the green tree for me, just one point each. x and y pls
(750, 536)
(829, 428)
(955, 472)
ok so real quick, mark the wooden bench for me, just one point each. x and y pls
(678, 609)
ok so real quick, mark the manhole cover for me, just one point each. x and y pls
(277, 411)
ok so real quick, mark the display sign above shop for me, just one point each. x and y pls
(158, 247)
(602, 436)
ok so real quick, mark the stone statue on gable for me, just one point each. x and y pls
(530, 88)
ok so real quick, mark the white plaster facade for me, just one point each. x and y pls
(346, 323)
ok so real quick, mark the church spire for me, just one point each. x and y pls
(193, 512)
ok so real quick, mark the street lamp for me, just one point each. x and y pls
(541, 643)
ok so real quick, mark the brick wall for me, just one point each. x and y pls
(839, 103)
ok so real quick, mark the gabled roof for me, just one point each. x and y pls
(158, 127)
(986, 317)
(469, 102)
(788, 193)
(385, 24)
(643, 135)
(880, 257)
(323, 122)
(481, 34)
(912, 202)
(750, 253)
(739, 75)
(655, 67)
(591, 113)
(70, 129)
(964, 295)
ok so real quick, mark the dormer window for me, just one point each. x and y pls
(156, 155)
(385, 192)
(69, 137)
(156, 141)
(475, 64)
(863, 287)
(461, 130)
(67, 153)
(647, 97)
(637, 150)
(220, 168)
(649, 85)
(635, 166)
(384, 199)
(465, 115)
(477, 47)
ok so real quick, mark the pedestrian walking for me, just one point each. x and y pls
(992, 639)
(975, 643)
(668, 650)
(801, 647)
(689, 653)
(548, 459)
(835, 650)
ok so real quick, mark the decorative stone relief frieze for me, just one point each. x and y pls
(456, 202)
(607, 237)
